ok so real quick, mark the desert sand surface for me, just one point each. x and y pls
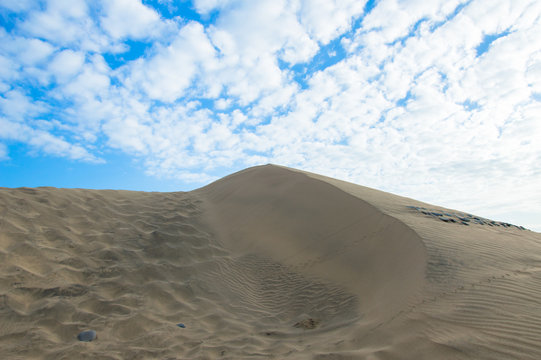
(269, 262)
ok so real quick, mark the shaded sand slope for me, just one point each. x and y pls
(482, 297)
(321, 232)
(269, 262)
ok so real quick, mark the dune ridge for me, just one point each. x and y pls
(269, 262)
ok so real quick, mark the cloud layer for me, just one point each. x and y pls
(437, 100)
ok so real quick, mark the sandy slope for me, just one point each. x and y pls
(267, 262)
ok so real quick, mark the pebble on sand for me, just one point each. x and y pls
(88, 335)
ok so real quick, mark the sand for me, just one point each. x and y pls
(269, 262)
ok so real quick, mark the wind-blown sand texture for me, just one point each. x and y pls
(269, 262)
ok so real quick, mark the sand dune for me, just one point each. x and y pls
(269, 262)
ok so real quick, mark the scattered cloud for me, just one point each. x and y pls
(206, 6)
(18, 5)
(167, 74)
(44, 141)
(326, 20)
(434, 100)
(129, 19)
(66, 64)
(3, 152)
(59, 23)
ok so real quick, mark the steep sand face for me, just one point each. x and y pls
(319, 231)
(268, 262)
(482, 294)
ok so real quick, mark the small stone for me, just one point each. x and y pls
(88, 335)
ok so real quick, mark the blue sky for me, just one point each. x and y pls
(434, 100)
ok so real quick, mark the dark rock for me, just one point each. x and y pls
(462, 218)
(88, 335)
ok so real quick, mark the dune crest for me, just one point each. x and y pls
(267, 262)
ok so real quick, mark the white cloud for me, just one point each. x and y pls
(20, 53)
(66, 64)
(130, 18)
(222, 104)
(44, 141)
(533, 72)
(129, 135)
(15, 105)
(4, 154)
(62, 22)
(8, 71)
(34, 51)
(206, 6)
(251, 37)
(264, 28)
(324, 20)
(54, 145)
(18, 5)
(93, 80)
(394, 19)
(170, 71)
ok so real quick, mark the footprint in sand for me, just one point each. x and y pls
(307, 323)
